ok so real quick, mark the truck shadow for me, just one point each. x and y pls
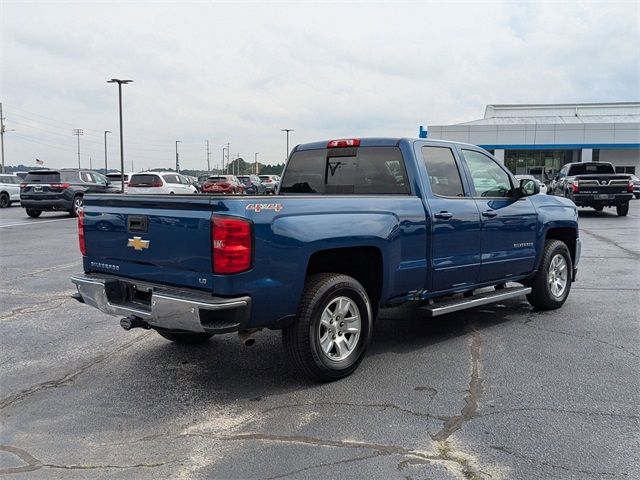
(224, 370)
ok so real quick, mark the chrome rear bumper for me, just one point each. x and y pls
(161, 306)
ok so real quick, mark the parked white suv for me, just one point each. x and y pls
(159, 182)
(9, 189)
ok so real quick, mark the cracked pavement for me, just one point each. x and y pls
(500, 392)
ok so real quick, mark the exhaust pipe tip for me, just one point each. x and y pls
(246, 337)
(127, 323)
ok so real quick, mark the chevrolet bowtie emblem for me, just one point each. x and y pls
(138, 243)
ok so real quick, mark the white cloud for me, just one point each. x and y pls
(240, 72)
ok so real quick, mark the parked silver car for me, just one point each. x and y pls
(271, 182)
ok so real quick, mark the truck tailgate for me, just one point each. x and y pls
(164, 238)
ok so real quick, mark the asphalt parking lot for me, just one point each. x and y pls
(497, 393)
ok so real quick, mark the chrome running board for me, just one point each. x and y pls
(455, 304)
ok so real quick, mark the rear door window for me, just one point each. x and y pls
(43, 177)
(361, 170)
(443, 172)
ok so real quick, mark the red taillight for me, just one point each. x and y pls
(23, 186)
(575, 188)
(83, 246)
(345, 142)
(231, 244)
(630, 186)
(59, 186)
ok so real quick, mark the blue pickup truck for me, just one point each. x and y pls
(357, 225)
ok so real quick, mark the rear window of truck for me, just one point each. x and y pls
(591, 169)
(42, 177)
(344, 171)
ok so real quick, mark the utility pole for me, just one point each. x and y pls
(90, 163)
(120, 82)
(177, 157)
(77, 132)
(2, 136)
(105, 150)
(287, 130)
(256, 161)
(208, 164)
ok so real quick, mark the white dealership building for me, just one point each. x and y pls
(542, 138)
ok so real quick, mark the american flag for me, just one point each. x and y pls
(39, 162)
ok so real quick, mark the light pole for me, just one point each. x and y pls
(208, 163)
(256, 161)
(287, 130)
(77, 132)
(120, 83)
(177, 157)
(105, 150)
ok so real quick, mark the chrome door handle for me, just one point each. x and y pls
(489, 213)
(443, 215)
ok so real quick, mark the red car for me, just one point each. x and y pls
(225, 184)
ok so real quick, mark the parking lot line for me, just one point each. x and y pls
(32, 223)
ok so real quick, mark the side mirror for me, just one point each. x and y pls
(528, 187)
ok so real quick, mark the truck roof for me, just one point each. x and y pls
(378, 142)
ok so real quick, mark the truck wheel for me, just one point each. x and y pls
(33, 213)
(180, 337)
(598, 208)
(76, 206)
(552, 282)
(332, 329)
(622, 209)
(5, 201)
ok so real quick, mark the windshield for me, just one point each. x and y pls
(363, 170)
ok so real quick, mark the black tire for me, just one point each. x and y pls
(598, 208)
(186, 338)
(301, 340)
(541, 296)
(637, 195)
(76, 205)
(622, 209)
(33, 213)
(5, 200)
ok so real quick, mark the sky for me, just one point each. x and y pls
(240, 72)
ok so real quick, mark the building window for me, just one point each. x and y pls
(542, 164)
(595, 155)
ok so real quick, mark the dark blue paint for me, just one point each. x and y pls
(423, 256)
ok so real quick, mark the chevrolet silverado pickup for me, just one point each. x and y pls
(356, 225)
(595, 185)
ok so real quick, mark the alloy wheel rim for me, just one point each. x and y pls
(557, 277)
(339, 328)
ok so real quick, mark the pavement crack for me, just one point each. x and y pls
(558, 410)
(320, 465)
(553, 465)
(528, 323)
(602, 238)
(453, 424)
(35, 308)
(69, 377)
(105, 467)
(30, 462)
(381, 406)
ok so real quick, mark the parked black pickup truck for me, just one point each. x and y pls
(594, 184)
